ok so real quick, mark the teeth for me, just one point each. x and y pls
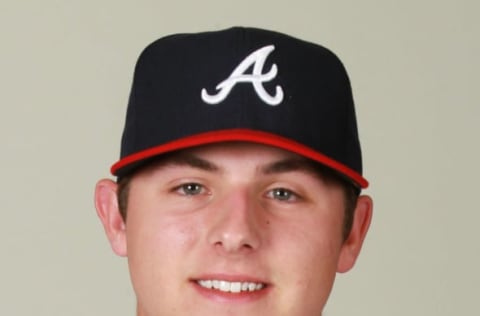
(235, 287)
(244, 286)
(224, 286)
(232, 287)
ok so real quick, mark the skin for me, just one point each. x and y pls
(235, 212)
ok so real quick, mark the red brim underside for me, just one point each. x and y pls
(245, 136)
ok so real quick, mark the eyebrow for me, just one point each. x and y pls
(183, 159)
(289, 165)
(276, 167)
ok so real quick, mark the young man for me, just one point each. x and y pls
(239, 177)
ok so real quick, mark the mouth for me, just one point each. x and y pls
(231, 287)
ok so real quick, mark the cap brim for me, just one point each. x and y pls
(125, 164)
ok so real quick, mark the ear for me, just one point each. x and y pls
(352, 245)
(106, 204)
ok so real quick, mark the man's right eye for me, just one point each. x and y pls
(190, 189)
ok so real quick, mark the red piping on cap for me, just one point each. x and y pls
(241, 135)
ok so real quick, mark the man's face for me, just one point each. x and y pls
(233, 229)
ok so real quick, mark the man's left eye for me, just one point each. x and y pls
(282, 194)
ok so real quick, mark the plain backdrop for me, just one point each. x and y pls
(65, 73)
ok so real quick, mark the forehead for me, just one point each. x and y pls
(232, 156)
(226, 155)
(241, 151)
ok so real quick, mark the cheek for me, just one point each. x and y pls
(311, 247)
(157, 235)
(156, 225)
(309, 252)
(158, 248)
(308, 271)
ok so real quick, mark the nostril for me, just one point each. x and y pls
(235, 242)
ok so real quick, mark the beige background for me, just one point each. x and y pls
(65, 72)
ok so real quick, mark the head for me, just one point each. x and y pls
(242, 198)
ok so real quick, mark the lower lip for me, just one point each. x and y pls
(241, 297)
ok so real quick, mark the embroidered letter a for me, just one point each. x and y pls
(257, 78)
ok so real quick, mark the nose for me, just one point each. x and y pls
(235, 225)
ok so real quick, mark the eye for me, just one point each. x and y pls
(282, 194)
(190, 189)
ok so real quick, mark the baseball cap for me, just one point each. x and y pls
(241, 84)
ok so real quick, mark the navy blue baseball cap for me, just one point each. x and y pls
(241, 84)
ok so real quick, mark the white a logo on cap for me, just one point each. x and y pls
(257, 78)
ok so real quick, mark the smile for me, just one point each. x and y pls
(230, 287)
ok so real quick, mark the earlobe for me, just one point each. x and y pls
(106, 204)
(352, 245)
